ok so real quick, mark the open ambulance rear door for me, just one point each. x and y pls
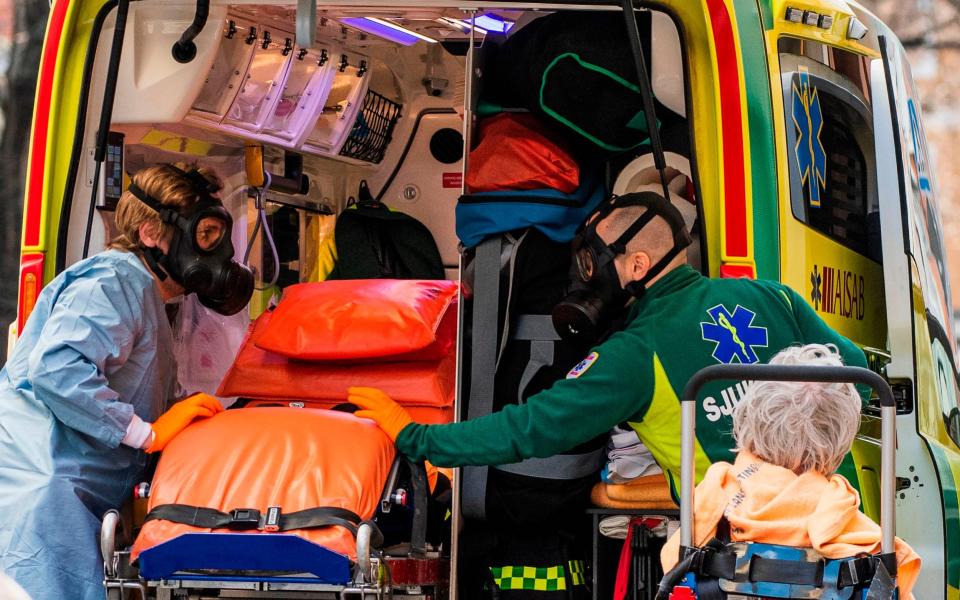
(922, 344)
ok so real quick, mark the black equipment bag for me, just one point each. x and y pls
(515, 281)
(526, 536)
(577, 71)
(374, 242)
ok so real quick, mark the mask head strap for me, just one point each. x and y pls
(150, 257)
(153, 256)
(200, 184)
(619, 246)
(657, 206)
(168, 214)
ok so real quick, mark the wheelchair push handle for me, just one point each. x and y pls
(763, 372)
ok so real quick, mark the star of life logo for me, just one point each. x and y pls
(809, 150)
(734, 334)
(583, 365)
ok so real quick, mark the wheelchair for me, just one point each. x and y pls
(725, 570)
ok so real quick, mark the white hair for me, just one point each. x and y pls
(800, 426)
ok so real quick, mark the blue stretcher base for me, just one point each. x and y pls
(244, 557)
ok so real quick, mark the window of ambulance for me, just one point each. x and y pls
(831, 143)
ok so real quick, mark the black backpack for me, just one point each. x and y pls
(374, 242)
(518, 518)
(515, 280)
(576, 71)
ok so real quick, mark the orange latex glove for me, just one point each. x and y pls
(181, 414)
(432, 475)
(375, 405)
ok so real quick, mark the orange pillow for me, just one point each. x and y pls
(262, 457)
(259, 374)
(395, 319)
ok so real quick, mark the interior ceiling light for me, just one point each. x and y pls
(461, 25)
(493, 23)
(387, 30)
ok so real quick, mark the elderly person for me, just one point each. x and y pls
(782, 488)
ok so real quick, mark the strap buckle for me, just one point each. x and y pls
(271, 521)
(244, 519)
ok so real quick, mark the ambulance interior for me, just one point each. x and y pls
(376, 111)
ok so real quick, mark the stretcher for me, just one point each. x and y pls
(722, 569)
(257, 502)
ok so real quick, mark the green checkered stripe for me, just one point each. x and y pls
(541, 579)
(576, 572)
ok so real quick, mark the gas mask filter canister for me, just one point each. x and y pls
(201, 251)
(596, 297)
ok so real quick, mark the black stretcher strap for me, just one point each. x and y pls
(715, 563)
(722, 565)
(792, 572)
(246, 519)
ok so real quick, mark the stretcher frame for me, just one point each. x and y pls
(368, 578)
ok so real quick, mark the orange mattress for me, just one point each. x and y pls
(426, 388)
(260, 457)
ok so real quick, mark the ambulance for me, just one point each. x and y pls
(807, 160)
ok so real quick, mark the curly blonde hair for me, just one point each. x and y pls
(166, 185)
(801, 426)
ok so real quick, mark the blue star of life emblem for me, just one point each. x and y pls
(734, 334)
(808, 119)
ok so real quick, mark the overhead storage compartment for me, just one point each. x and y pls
(152, 87)
(261, 86)
(227, 72)
(305, 89)
(340, 108)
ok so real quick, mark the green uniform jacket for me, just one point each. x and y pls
(683, 323)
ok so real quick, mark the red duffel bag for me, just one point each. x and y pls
(515, 154)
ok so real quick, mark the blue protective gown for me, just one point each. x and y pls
(96, 349)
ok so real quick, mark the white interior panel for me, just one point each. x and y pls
(152, 87)
(666, 64)
(427, 189)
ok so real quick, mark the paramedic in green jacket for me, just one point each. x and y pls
(677, 323)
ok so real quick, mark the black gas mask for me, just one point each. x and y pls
(201, 252)
(595, 297)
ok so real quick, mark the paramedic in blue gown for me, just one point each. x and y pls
(84, 392)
